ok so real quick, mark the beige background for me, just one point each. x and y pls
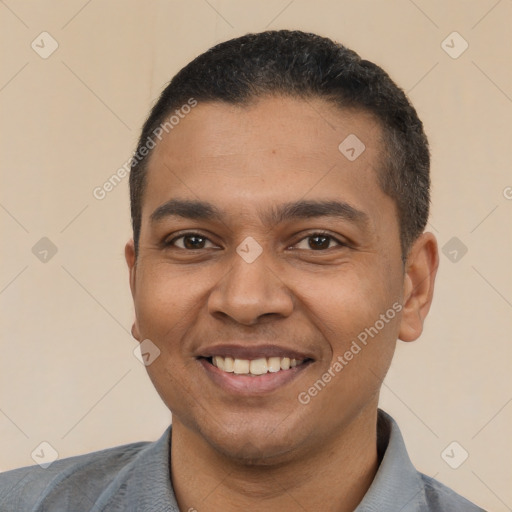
(68, 375)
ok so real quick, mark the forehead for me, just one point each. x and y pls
(311, 125)
(275, 149)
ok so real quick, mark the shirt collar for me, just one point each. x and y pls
(144, 485)
(396, 487)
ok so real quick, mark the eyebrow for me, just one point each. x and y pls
(302, 209)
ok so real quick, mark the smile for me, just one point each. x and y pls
(256, 376)
(254, 367)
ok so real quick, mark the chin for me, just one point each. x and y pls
(253, 446)
(253, 453)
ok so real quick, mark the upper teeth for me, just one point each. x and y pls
(254, 366)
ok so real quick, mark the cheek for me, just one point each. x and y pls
(167, 304)
(358, 314)
(349, 299)
(166, 299)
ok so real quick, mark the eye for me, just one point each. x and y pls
(318, 242)
(190, 241)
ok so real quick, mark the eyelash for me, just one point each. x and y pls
(339, 243)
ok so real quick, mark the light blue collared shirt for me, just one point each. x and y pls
(136, 478)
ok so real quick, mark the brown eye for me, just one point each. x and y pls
(317, 242)
(191, 241)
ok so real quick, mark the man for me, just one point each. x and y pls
(279, 195)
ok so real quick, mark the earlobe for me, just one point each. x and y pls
(420, 274)
(135, 331)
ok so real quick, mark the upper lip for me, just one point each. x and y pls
(252, 352)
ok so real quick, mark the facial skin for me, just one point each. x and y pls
(249, 445)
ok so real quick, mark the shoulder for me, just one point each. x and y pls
(440, 497)
(76, 480)
(399, 486)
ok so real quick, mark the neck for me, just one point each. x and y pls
(332, 477)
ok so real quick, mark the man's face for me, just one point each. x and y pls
(268, 272)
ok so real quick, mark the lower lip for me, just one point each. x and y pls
(244, 384)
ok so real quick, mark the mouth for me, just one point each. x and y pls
(255, 367)
(253, 372)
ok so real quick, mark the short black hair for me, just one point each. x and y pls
(302, 65)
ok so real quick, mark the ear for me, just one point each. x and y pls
(129, 254)
(131, 260)
(420, 274)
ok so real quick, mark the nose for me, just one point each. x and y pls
(250, 292)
